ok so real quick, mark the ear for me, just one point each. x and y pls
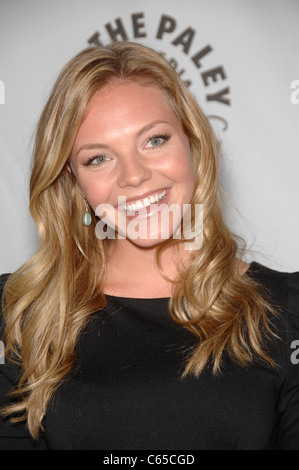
(68, 167)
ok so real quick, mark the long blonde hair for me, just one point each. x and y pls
(47, 302)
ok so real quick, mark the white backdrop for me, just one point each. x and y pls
(238, 57)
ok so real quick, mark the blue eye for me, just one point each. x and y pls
(157, 141)
(97, 160)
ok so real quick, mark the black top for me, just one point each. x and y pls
(126, 392)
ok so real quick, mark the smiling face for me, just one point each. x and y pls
(131, 145)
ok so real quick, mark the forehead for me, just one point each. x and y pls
(128, 96)
(124, 105)
(120, 87)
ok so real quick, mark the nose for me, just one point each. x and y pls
(133, 171)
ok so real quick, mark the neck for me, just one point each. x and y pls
(132, 271)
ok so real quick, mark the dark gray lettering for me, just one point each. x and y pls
(118, 31)
(185, 39)
(199, 55)
(213, 74)
(220, 119)
(94, 39)
(167, 25)
(138, 25)
(173, 62)
(220, 96)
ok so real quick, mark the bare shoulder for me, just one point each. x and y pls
(242, 266)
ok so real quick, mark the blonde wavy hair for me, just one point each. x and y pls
(48, 301)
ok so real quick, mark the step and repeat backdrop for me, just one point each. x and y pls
(240, 59)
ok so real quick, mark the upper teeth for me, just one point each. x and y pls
(142, 203)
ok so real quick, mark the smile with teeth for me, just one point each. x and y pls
(147, 201)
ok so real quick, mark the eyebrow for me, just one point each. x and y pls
(138, 133)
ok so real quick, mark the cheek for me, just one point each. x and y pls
(186, 178)
(182, 169)
(95, 190)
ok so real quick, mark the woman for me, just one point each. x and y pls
(119, 334)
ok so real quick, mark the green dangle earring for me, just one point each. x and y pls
(86, 219)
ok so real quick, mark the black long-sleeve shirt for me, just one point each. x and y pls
(126, 392)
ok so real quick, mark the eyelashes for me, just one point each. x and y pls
(91, 160)
(154, 142)
(157, 140)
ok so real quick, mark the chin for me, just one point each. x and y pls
(147, 242)
(151, 240)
